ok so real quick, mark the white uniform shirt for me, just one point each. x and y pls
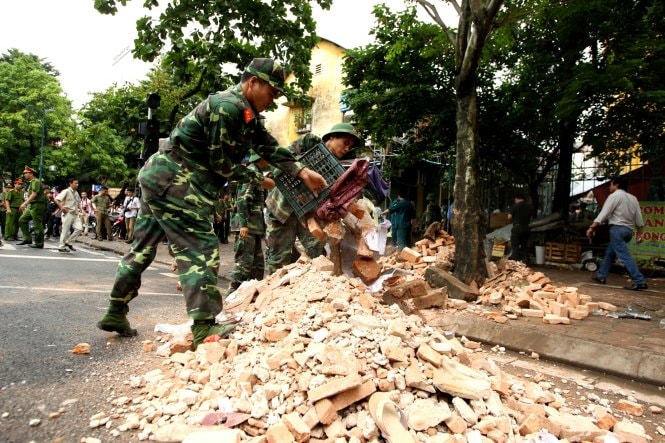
(70, 199)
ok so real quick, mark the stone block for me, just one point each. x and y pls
(438, 278)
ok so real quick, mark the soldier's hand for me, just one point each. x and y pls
(313, 180)
(244, 232)
(267, 183)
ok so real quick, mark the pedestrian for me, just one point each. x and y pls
(450, 213)
(13, 200)
(179, 184)
(402, 214)
(86, 211)
(33, 208)
(432, 212)
(3, 210)
(622, 212)
(284, 227)
(131, 211)
(101, 204)
(249, 225)
(227, 209)
(51, 216)
(69, 203)
(520, 214)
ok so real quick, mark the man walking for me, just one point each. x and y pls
(622, 211)
(69, 202)
(13, 200)
(33, 208)
(179, 184)
(101, 203)
(402, 214)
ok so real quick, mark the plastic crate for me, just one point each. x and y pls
(301, 199)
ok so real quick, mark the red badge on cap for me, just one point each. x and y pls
(248, 115)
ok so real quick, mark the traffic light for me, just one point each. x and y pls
(151, 141)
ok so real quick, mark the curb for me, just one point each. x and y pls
(628, 363)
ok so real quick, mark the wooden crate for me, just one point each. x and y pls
(563, 252)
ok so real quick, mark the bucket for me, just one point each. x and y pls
(540, 255)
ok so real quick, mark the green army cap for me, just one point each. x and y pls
(430, 197)
(344, 128)
(29, 169)
(268, 70)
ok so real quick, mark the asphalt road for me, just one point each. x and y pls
(49, 302)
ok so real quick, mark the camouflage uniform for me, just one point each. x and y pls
(284, 226)
(35, 212)
(248, 250)
(179, 184)
(14, 200)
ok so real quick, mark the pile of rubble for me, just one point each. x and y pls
(513, 288)
(311, 350)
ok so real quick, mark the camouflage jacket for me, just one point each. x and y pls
(277, 204)
(250, 207)
(215, 136)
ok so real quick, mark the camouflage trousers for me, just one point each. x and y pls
(281, 238)
(34, 212)
(249, 260)
(172, 206)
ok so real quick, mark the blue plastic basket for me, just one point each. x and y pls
(301, 199)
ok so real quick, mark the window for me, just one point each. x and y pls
(317, 69)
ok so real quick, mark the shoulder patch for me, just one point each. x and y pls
(248, 115)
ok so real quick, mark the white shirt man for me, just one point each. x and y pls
(132, 206)
(69, 203)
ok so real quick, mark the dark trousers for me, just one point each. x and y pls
(519, 241)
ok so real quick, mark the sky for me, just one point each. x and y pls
(86, 47)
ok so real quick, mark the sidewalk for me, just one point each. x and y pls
(630, 348)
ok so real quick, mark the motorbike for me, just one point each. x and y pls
(118, 230)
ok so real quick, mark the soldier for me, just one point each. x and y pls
(250, 228)
(3, 209)
(101, 203)
(33, 208)
(283, 225)
(179, 184)
(14, 198)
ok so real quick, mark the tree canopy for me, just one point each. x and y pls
(198, 39)
(31, 99)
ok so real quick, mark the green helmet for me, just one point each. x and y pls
(343, 128)
(430, 197)
(268, 70)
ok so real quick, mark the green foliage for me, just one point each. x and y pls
(197, 38)
(93, 154)
(400, 87)
(30, 97)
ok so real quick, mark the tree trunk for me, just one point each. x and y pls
(469, 231)
(562, 188)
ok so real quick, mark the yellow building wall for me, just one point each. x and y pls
(326, 90)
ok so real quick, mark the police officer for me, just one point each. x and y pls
(283, 225)
(249, 225)
(432, 212)
(13, 200)
(33, 208)
(179, 184)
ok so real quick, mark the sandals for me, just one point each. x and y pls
(389, 418)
